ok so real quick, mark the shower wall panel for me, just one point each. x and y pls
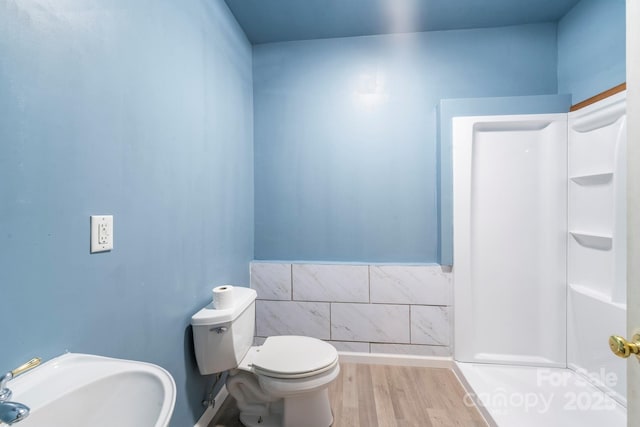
(510, 212)
(597, 241)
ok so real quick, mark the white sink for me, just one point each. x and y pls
(81, 390)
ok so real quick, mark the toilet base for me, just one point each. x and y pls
(270, 420)
(308, 410)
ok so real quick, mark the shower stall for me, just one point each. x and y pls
(539, 264)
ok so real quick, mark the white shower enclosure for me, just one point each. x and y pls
(539, 244)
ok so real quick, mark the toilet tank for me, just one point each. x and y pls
(221, 338)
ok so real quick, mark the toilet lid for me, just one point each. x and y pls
(294, 356)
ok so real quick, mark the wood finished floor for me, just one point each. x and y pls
(388, 396)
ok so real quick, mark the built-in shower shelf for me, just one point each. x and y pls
(593, 179)
(595, 241)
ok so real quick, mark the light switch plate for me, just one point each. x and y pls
(101, 233)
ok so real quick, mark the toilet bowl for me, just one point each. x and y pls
(283, 382)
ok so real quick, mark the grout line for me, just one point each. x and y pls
(330, 323)
(369, 281)
(291, 280)
(410, 328)
(358, 302)
(404, 343)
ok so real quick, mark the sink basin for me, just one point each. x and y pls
(81, 390)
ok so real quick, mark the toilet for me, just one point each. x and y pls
(283, 382)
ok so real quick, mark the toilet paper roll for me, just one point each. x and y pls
(223, 297)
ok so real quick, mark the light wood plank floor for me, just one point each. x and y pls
(388, 396)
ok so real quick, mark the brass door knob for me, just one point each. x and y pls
(623, 348)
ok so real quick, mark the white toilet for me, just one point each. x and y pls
(283, 382)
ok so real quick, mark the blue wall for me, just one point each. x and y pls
(450, 108)
(346, 165)
(138, 109)
(591, 48)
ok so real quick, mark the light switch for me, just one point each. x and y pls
(101, 233)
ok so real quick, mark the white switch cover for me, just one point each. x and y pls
(101, 233)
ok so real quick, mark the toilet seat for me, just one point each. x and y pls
(293, 357)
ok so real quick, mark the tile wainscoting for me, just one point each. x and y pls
(393, 309)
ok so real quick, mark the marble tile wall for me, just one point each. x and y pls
(392, 309)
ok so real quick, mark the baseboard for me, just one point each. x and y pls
(211, 411)
(396, 359)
